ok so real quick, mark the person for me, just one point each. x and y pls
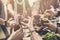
(10, 9)
(34, 34)
(17, 35)
(29, 24)
(52, 27)
(49, 14)
(43, 5)
(1, 21)
(2, 10)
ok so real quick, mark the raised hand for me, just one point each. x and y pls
(29, 23)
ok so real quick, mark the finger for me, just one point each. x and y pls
(25, 24)
(29, 17)
(46, 23)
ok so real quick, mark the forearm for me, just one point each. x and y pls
(18, 34)
(36, 36)
(10, 9)
(53, 28)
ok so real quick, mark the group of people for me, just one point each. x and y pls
(41, 14)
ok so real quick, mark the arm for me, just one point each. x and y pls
(52, 27)
(9, 7)
(34, 34)
(18, 35)
(2, 21)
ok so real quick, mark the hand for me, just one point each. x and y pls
(29, 24)
(2, 21)
(11, 23)
(50, 25)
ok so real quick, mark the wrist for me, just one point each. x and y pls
(32, 31)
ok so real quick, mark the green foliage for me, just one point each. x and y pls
(50, 36)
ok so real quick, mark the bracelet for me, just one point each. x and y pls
(56, 30)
